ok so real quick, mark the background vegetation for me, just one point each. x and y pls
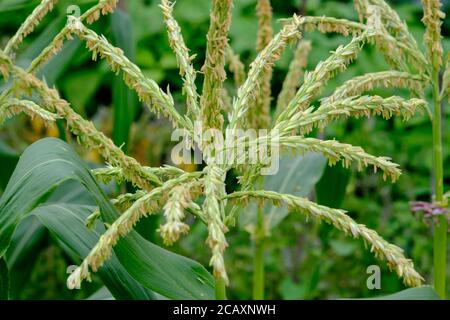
(304, 260)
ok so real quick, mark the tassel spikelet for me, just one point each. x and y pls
(86, 132)
(390, 50)
(147, 89)
(236, 67)
(393, 23)
(346, 153)
(180, 198)
(174, 191)
(120, 228)
(110, 173)
(340, 220)
(333, 150)
(446, 80)
(144, 206)
(214, 209)
(397, 34)
(432, 18)
(397, 26)
(383, 40)
(400, 55)
(296, 69)
(5, 65)
(51, 50)
(13, 107)
(30, 24)
(326, 24)
(187, 71)
(92, 219)
(315, 81)
(361, 8)
(103, 7)
(265, 32)
(258, 115)
(214, 67)
(126, 200)
(383, 79)
(332, 25)
(267, 56)
(356, 107)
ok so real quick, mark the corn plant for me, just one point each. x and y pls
(202, 193)
(408, 62)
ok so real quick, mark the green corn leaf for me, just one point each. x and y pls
(101, 294)
(11, 5)
(47, 164)
(8, 159)
(4, 280)
(67, 223)
(331, 188)
(125, 101)
(27, 243)
(81, 86)
(297, 175)
(420, 293)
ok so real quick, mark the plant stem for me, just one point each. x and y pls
(440, 232)
(221, 291)
(258, 257)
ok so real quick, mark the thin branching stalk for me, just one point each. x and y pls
(126, 200)
(184, 60)
(13, 107)
(363, 106)
(433, 20)
(315, 81)
(384, 41)
(236, 67)
(336, 151)
(332, 25)
(340, 220)
(180, 198)
(148, 90)
(107, 174)
(396, 27)
(333, 150)
(30, 24)
(445, 90)
(5, 66)
(258, 115)
(214, 208)
(144, 206)
(267, 56)
(377, 80)
(214, 67)
(103, 7)
(87, 134)
(174, 190)
(292, 81)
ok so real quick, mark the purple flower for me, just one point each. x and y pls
(429, 209)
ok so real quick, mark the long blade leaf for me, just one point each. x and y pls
(50, 162)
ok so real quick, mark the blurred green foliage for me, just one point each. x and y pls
(303, 260)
